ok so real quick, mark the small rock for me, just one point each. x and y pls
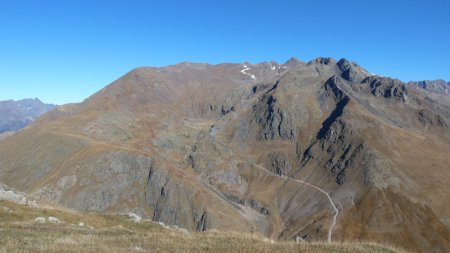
(81, 224)
(40, 220)
(134, 217)
(53, 219)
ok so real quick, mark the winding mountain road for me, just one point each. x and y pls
(336, 210)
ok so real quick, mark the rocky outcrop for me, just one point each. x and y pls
(274, 121)
(430, 119)
(279, 163)
(173, 202)
(334, 150)
(386, 87)
(351, 71)
(322, 60)
(101, 183)
(252, 203)
(336, 146)
(20, 198)
(325, 131)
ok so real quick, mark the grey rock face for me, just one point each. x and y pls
(202, 224)
(252, 203)
(17, 197)
(113, 178)
(334, 150)
(322, 60)
(336, 146)
(332, 91)
(429, 119)
(351, 71)
(172, 203)
(280, 163)
(274, 121)
(386, 87)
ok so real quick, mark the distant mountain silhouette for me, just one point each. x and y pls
(15, 115)
(438, 86)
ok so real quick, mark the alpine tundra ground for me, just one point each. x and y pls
(94, 232)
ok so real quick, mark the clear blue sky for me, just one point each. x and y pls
(64, 50)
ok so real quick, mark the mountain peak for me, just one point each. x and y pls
(351, 71)
(323, 60)
(292, 60)
(344, 64)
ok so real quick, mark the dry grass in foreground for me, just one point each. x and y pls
(110, 233)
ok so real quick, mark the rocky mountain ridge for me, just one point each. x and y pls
(438, 86)
(247, 147)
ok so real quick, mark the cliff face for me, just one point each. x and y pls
(275, 148)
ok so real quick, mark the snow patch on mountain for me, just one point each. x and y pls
(243, 71)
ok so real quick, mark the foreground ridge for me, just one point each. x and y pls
(73, 231)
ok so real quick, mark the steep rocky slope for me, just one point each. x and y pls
(15, 115)
(308, 151)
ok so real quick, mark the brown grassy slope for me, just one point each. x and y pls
(386, 216)
(112, 233)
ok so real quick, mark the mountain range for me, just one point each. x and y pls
(16, 115)
(438, 86)
(318, 150)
